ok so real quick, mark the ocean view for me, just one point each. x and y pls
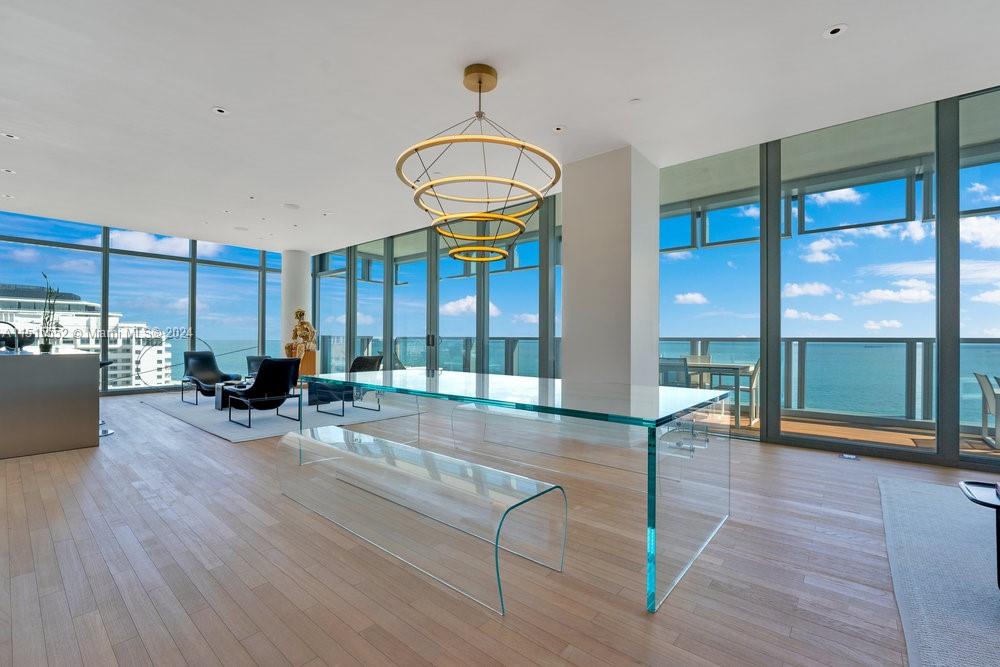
(861, 378)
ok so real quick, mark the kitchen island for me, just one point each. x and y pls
(49, 402)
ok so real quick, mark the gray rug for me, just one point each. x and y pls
(266, 424)
(941, 552)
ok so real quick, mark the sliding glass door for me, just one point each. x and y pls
(331, 302)
(979, 251)
(858, 277)
(409, 300)
(710, 278)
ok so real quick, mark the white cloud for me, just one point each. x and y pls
(87, 266)
(991, 332)
(526, 318)
(821, 250)
(750, 211)
(806, 289)
(914, 230)
(983, 193)
(912, 290)
(690, 298)
(25, 255)
(875, 325)
(914, 283)
(731, 264)
(685, 254)
(982, 231)
(793, 314)
(466, 306)
(973, 271)
(124, 239)
(878, 231)
(842, 196)
(992, 296)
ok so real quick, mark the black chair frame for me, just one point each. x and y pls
(354, 401)
(190, 384)
(249, 403)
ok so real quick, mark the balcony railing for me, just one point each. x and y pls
(878, 381)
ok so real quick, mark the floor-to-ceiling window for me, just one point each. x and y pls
(24, 271)
(979, 252)
(226, 312)
(557, 283)
(272, 322)
(513, 303)
(370, 277)
(331, 299)
(147, 314)
(409, 300)
(858, 282)
(457, 314)
(147, 320)
(710, 277)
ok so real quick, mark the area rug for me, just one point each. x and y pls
(941, 553)
(266, 424)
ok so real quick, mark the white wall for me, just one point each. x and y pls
(610, 260)
(296, 289)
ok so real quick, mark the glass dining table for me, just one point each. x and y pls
(675, 422)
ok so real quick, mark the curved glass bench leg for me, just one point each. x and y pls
(497, 546)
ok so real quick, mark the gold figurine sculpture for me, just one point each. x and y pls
(303, 343)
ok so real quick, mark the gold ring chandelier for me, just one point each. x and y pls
(479, 215)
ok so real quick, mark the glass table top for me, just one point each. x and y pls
(638, 405)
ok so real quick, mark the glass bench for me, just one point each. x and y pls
(446, 517)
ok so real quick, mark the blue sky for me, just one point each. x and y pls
(143, 290)
(513, 299)
(860, 282)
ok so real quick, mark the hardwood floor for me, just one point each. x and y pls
(166, 545)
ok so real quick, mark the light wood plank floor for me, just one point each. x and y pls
(167, 545)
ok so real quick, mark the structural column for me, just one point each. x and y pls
(296, 289)
(610, 258)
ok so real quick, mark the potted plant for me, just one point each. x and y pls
(50, 325)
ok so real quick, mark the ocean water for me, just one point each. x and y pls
(862, 378)
(231, 354)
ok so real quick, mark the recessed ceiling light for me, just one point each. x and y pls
(240, 228)
(252, 197)
(9, 172)
(227, 211)
(558, 129)
(835, 31)
(219, 110)
(11, 136)
(326, 213)
(291, 206)
(8, 196)
(635, 100)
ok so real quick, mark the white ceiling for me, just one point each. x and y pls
(113, 99)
